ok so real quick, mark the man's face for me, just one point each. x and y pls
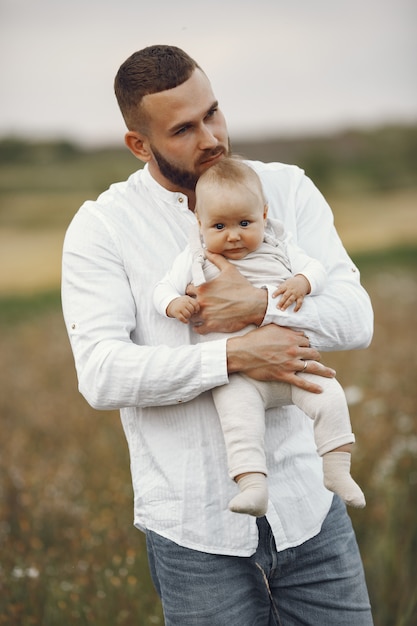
(186, 133)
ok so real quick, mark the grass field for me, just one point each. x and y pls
(70, 554)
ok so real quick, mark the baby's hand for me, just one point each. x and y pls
(292, 290)
(182, 308)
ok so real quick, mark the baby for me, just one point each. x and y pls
(232, 217)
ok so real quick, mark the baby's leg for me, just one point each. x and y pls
(333, 435)
(242, 417)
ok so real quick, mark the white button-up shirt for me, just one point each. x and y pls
(159, 374)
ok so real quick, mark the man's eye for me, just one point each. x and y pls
(218, 226)
(244, 223)
(212, 112)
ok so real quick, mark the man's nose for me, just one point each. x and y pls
(207, 140)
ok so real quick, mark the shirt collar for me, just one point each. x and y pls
(171, 197)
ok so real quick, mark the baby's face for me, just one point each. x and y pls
(232, 219)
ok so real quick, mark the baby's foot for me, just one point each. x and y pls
(337, 478)
(253, 496)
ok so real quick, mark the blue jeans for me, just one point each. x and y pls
(319, 583)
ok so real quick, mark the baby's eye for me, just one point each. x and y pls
(244, 223)
(218, 226)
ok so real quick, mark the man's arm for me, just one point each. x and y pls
(276, 353)
(340, 317)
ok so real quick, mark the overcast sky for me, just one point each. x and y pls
(277, 67)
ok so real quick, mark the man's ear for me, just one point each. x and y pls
(265, 211)
(138, 145)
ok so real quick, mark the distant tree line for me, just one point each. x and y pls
(17, 150)
(376, 159)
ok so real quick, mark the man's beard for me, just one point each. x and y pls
(184, 179)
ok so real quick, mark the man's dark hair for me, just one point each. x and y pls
(148, 71)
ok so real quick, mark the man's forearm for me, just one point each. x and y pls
(275, 353)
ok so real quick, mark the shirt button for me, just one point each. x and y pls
(180, 199)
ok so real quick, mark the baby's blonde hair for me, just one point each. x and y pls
(229, 171)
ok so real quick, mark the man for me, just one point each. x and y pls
(300, 563)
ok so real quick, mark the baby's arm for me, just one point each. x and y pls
(292, 290)
(309, 275)
(169, 294)
(182, 308)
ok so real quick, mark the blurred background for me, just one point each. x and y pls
(331, 87)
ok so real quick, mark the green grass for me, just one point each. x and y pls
(377, 260)
(23, 308)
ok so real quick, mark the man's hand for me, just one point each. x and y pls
(276, 353)
(228, 302)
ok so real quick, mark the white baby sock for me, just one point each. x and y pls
(253, 496)
(337, 478)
